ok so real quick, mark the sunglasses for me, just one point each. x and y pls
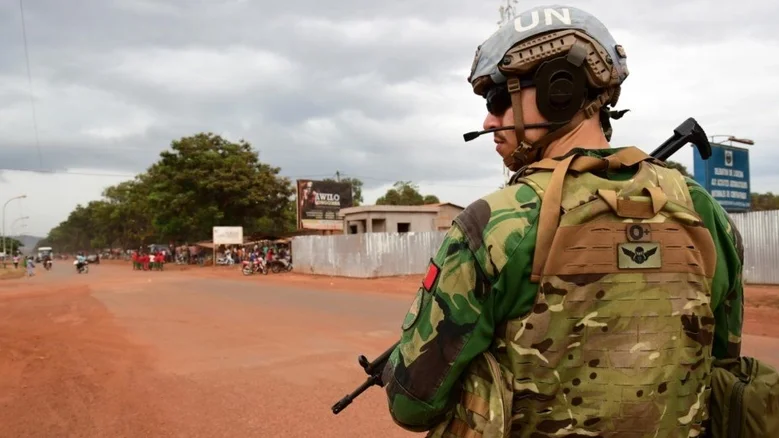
(499, 99)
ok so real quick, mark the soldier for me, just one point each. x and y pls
(590, 296)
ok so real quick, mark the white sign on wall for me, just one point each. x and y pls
(228, 235)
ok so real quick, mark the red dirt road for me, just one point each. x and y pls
(207, 352)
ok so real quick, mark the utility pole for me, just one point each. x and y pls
(5, 254)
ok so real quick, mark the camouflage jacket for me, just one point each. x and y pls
(464, 298)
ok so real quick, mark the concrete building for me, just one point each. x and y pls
(399, 218)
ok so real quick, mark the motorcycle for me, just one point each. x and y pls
(280, 265)
(250, 268)
(225, 261)
(84, 268)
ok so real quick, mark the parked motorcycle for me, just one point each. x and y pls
(225, 261)
(250, 268)
(280, 265)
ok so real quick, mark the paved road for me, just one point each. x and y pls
(123, 353)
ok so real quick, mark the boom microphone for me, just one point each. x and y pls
(468, 136)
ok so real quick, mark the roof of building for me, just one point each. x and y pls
(429, 208)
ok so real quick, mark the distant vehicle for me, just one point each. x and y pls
(44, 251)
(84, 268)
(93, 258)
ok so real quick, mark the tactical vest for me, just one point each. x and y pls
(618, 343)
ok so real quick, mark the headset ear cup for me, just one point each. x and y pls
(561, 89)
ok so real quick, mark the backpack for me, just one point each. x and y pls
(744, 399)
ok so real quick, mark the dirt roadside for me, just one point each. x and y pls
(123, 353)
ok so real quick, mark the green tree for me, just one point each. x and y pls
(207, 181)
(274, 226)
(764, 201)
(203, 181)
(406, 193)
(130, 217)
(430, 199)
(12, 245)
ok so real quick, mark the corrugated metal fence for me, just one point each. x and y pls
(366, 255)
(386, 254)
(760, 232)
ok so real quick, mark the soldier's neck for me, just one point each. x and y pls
(588, 135)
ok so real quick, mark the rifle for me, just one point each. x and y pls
(373, 369)
(688, 132)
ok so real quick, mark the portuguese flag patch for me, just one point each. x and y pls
(431, 276)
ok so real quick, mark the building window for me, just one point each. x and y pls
(404, 227)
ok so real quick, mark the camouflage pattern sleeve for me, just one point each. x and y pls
(463, 298)
(727, 299)
(448, 324)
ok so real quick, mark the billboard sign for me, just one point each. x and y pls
(319, 203)
(228, 235)
(725, 175)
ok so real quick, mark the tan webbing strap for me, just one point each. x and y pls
(623, 158)
(460, 429)
(659, 198)
(545, 164)
(516, 102)
(629, 208)
(629, 156)
(476, 404)
(610, 197)
(588, 164)
(550, 217)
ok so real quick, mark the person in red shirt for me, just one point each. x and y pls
(160, 260)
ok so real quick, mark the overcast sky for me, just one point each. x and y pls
(375, 90)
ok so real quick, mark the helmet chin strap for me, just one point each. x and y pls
(528, 152)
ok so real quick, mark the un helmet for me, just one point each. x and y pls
(571, 59)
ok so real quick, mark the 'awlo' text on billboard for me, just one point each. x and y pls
(319, 202)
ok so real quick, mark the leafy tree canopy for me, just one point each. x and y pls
(406, 193)
(201, 182)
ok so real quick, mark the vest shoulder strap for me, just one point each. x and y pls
(548, 177)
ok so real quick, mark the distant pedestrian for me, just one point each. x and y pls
(30, 267)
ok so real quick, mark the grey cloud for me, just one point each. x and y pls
(80, 42)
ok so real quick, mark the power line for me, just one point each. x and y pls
(29, 79)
